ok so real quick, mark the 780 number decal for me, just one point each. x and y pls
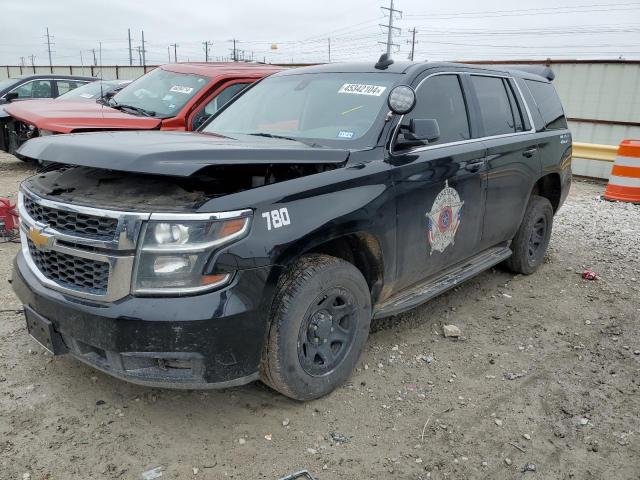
(277, 218)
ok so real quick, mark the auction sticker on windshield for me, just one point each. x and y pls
(181, 89)
(362, 89)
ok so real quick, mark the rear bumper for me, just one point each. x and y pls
(212, 340)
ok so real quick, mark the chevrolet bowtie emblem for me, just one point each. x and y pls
(39, 239)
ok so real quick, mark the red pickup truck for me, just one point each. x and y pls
(177, 96)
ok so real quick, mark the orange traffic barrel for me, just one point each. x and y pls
(624, 182)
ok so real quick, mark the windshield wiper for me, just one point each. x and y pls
(122, 106)
(271, 135)
(282, 137)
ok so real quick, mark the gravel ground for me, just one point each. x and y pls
(542, 385)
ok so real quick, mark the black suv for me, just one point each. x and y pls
(262, 246)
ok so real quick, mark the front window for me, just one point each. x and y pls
(327, 108)
(159, 93)
(34, 89)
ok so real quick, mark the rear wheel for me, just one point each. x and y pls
(532, 239)
(319, 324)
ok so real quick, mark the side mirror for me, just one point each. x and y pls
(422, 130)
(11, 96)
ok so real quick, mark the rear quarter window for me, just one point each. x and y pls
(548, 104)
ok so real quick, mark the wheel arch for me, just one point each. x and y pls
(362, 249)
(549, 186)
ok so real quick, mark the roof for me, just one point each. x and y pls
(214, 69)
(53, 75)
(404, 67)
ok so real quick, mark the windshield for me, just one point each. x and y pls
(327, 108)
(88, 91)
(160, 92)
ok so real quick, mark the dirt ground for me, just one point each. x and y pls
(546, 374)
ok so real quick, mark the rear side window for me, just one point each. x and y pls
(549, 104)
(441, 98)
(516, 110)
(495, 105)
(65, 86)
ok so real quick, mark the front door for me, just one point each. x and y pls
(440, 187)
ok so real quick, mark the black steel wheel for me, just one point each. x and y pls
(327, 333)
(320, 321)
(532, 238)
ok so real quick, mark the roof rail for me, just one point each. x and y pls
(541, 70)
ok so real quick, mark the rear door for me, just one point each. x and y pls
(440, 186)
(512, 154)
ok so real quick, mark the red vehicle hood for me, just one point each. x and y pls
(69, 116)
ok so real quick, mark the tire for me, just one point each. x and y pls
(532, 238)
(320, 321)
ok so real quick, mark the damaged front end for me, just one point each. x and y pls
(119, 266)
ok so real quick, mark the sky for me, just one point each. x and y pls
(300, 31)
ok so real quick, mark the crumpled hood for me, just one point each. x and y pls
(69, 115)
(178, 154)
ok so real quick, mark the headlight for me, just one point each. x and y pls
(46, 133)
(174, 253)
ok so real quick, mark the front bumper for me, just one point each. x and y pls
(213, 340)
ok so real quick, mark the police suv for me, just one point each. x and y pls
(262, 246)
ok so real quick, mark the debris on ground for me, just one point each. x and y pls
(301, 475)
(451, 331)
(153, 473)
(590, 275)
(338, 437)
(529, 467)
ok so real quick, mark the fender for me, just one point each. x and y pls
(317, 209)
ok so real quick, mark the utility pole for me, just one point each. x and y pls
(390, 28)
(329, 40)
(22, 61)
(33, 62)
(206, 50)
(175, 52)
(169, 53)
(413, 43)
(235, 54)
(139, 55)
(130, 54)
(95, 60)
(144, 58)
(49, 50)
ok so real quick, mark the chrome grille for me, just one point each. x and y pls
(73, 272)
(72, 223)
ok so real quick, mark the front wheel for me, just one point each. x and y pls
(532, 239)
(320, 321)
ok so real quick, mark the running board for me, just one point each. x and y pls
(450, 278)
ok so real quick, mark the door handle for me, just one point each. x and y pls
(474, 166)
(530, 152)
